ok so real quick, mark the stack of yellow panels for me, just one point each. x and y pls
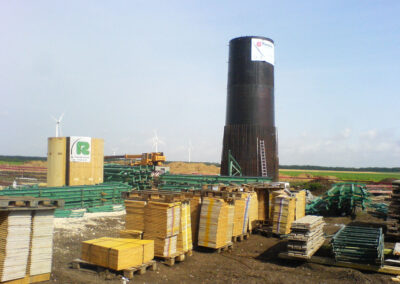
(284, 211)
(271, 201)
(231, 214)
(162, 222)
(185, 231)
(15, 231)
(213, 225)
(117, 253)
(195, 206)
(239, 217)
(262, 200)
(134, 219)
(253, 210)
(300, 204)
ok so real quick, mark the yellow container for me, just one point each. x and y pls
(56, 161)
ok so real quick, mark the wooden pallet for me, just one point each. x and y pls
(176, 257)
(128, 273)
(30, 279)
(240, 237)
(227, 247)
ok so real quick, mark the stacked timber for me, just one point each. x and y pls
(240, 219)
(185, 229)
(253, 210)
(262, 201)
(41, 248)
(195, 207)
(135, 210)
(213, 225)
(393, 220)
(300, 211)
(162, 222)
(283, 214)
(307, 236)
(231, 215)
(117, 253)
(15, 231)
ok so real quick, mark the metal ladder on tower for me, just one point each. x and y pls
(263, 159)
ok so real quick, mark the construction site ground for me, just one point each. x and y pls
(251, 261)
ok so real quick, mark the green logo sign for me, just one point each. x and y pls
(82, 148)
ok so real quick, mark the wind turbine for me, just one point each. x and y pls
(156, 141)
(190, 149)
(114, 150)
(58, 124)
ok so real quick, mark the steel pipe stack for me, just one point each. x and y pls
(250, 132)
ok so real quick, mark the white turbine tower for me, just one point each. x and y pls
(190, 150)
(156, 140)
(58, 124)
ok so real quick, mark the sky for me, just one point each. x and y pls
(120, 70)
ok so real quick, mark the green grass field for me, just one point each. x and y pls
(344, 176)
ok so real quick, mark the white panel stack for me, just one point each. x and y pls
(42, 242)
(15, 228)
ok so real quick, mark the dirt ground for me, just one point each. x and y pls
(251, 261)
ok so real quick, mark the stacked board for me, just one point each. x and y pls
(41, 247)
(240, 219)
(307, 236)
(117, 253)
(393, 220)
(162, 222)
(134, 219)
(213, 226)
(15, 231)
(184, 242)
(131, 234)
(300, 211)
(253, 210)
(283, 214)
(195, 206)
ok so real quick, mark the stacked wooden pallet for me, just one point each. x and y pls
(214, 230)
(15, 230)
(134, 219)
(307, 236)
(253, 210)
(41, 248)
(184, 242)
(118, 253)
(283, 214)
(162, 222)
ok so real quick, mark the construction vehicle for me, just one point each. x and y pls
(145, 159)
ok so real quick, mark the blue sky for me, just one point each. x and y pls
(121, 69)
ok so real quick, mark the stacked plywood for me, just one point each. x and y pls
(134, 219)
(253, 210)
(41, 242)
(213, 226)
(231, 215)
(307, 236)
(15, 230)
(184, 242)
(117, 253)
(240, 219)
(195, 206)
(162, 222)
(262, 201)
(300, 204)
(283, 214)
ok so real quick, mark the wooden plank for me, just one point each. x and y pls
(386, 269)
